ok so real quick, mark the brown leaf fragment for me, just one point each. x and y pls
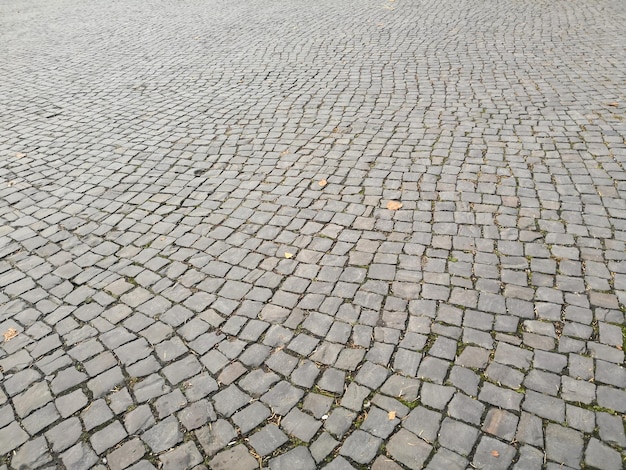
(10, 334)
(392, 414)
(394, 205)
(614, 104)
(322, 183)
(495, 453)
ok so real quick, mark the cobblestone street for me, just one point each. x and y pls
(374, 234)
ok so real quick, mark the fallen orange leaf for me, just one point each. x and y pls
(392, 415)
(10, 334)
(394, 205)
(323, 183)
(495, 453)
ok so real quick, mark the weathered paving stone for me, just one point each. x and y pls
(379, 423)
(500, 423)
(317, 404)
(339, 421)
(492, 453)
(140, 418)
(236, 456)
(107, 437)
(385, 463)
(611, 428)
(36, 396)
(197, 414)
(251, 416)
(268, 439)
(215, 437)
(40, 419)
(126, 455)
(185, 456)
(64, 434)
(163, 435)
(423, 423)
(170, 403)
(79, 456)
(323, 446)
(332, 381)
(529, 458)
(33, 454)
(602, 456)
(300, 425)
(408, 449)
(230, 400)
(466, 409)
(360, 447)
(151, 387)
(299, 457)
(563, 445)
(457, 436)
(105, 382)
(544, 406)
(96, 414)
(282, 397)
(339, 463)
(11, 437)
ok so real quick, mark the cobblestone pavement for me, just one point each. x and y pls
(198, 266)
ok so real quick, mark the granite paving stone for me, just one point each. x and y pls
(267, 439)
(215, 437)
(360, 446)
(237, 455)
(163, 435)
(126, 455)
(299, 457)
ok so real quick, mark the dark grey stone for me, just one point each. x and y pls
(267, 440)
(141, 418)
(80, 457)
(299, 458)
(215, 437)
(563, 445)
(492, 453)
(601, 456)
(360, 447)
(163, 435)
(127, 454)
(300, 425)
(107, 437)
(339, 421)
(457, 436)
(282, 397)
(408, 449)
(185, 456)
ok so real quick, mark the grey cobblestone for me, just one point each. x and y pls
(203, 266)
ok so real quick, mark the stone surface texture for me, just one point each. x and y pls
(291, 234)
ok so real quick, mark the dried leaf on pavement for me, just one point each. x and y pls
(9, 334)
(394, 205)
